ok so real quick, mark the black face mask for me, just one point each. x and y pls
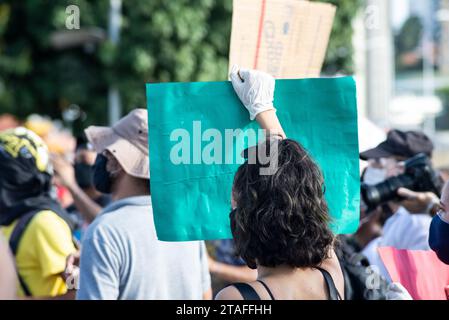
(84, 175)
(101, 177)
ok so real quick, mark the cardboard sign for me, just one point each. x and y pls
(421, 272)
(191, 190)
(286, 38)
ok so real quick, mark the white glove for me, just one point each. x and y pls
(397, 292)
(254, 88)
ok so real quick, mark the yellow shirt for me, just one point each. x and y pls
(42, 253)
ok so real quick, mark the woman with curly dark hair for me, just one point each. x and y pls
(280, 220)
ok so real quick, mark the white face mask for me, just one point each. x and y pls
(374, 176)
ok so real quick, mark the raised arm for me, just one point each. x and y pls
(88, 208)
(256, 91)
(269, 121)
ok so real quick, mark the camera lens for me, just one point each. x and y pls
(385, 191)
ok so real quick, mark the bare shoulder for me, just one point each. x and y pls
(332, 265)
(229, 293)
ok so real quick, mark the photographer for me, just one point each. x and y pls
(408, 214)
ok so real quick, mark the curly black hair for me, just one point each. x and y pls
(281, 219)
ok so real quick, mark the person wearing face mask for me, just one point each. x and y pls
(37, 228)
(407, 221)
(371, 223)
(121, 257)
(78, 179)
(439, 229)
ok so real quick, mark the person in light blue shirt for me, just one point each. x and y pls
(121, 257)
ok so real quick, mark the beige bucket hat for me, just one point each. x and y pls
(127, 140)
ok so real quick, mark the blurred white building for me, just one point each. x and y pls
(405, 101)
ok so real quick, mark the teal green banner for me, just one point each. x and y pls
(198, 130)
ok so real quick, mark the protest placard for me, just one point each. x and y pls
(191, 189)
(420, 271)
(286, 38)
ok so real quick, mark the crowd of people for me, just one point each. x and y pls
(104, 244)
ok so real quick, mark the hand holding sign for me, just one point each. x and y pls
(254, 88)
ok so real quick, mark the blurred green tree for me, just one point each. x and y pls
(339, 56)
(442, 120)
(182, 40)
(410, 35)
(37, 78)
(407, 42)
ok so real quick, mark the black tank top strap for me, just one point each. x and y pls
(246, 291)
(266, 288)
(249, 293)
(332, 291)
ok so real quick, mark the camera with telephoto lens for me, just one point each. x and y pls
(419, 176)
